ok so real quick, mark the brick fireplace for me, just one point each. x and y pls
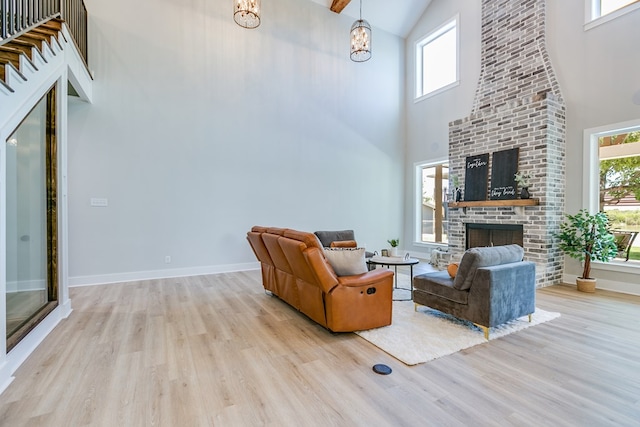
(518, 104)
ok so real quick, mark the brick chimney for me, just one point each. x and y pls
(518, 103)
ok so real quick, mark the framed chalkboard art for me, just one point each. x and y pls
(475, 177)
(504, 165)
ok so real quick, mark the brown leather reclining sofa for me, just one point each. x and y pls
(295, 269)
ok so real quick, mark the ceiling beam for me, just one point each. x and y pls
(338, 5)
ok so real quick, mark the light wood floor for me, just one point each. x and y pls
(216, 350)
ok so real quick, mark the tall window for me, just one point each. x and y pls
(605, 7)
(432, 215)
(600, 11)
(615, 164)
(437, 60)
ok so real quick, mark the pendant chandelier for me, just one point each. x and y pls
(246, 13)
(360, 39)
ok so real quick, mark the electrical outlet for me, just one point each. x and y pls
(167, 259)
(99, 203)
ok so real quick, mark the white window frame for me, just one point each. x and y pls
(591, 179)
(592, 17)
(453, 23)
(417, 191)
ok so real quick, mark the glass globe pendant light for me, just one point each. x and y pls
(246, 13)
(360, 39)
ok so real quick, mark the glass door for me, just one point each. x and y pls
(31, 239)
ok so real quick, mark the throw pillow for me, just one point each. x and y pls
(344, 244)
(452, 269)
(346, 261)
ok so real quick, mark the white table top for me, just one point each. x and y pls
(392, 260)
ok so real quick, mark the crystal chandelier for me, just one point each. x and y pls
(360, 39)
(246, 13)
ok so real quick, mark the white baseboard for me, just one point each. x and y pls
(159, 274)
(28, 344)
(6, 377)
(421, 255)
(608, 285)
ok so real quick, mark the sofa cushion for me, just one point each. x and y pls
(326, 237)
(440, 285)
(475, 258)
(346, 261)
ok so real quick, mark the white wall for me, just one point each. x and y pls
(598, 74)
(56, 66)
(200, 129)
(428, 120)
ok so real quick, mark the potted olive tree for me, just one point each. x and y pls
(586, 237)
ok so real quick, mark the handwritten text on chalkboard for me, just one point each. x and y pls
(476, 163)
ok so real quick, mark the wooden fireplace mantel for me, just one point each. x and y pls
(515, 203)
(494, 203)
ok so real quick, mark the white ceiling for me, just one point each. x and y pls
(395, 16)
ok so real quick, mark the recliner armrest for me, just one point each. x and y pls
(366, 279)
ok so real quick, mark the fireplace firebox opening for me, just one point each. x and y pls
(479, 235)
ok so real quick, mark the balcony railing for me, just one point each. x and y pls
(19, 16)
(74, 14)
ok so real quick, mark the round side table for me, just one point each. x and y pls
(395, 262)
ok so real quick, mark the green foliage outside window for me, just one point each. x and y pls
(620, 178)
(624, 219)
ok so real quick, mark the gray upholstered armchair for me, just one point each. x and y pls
(492, 286)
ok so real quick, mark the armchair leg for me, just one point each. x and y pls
(530, 314)
(485, 329)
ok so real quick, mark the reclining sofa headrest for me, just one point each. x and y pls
(309, 239)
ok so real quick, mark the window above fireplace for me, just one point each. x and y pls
(598, 12)
(437, 60)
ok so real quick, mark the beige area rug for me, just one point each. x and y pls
(420, 336)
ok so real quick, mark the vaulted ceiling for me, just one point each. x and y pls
(394, 16)
(338, 5)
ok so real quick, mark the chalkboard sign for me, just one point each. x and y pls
(504, 165)
(475, 177)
